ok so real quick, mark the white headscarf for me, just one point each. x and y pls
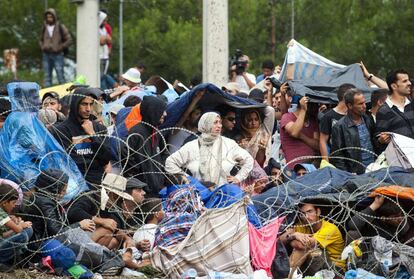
(210, 156)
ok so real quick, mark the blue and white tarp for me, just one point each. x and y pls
(307, 64)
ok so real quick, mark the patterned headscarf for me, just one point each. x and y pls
(183, 207)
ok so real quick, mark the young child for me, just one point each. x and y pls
(14, 232)
(153, 209)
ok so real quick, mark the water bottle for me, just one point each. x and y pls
(189, 274)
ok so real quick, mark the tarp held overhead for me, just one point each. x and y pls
(318, 77)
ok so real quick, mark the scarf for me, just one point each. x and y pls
(210, 149)
(256, 136)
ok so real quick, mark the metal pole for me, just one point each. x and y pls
(46, 5)
(121, 38)
(293, 19)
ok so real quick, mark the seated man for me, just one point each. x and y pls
(384, 218)
(309, 234)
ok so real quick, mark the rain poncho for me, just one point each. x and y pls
(27, 146)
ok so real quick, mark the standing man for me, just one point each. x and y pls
(245, 80)
(268, 68)
(397, 114)
(54, 40)
(352, 136)
(105, 41)
(329, 120)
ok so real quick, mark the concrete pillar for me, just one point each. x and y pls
(87, 41)
(215, 41)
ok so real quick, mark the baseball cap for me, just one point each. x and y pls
(51, 94)
(133, 75)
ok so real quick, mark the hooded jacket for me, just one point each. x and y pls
(90, 153)
(60, 38)
(146, 154)
(44, 211)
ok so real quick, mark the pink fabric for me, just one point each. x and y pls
(293, 147)
(263, 244)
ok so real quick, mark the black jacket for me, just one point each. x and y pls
(345, 134)
(368, 223)
(92, 154)
(85, 206)
(146, 147)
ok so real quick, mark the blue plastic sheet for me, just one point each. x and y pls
(27, 148)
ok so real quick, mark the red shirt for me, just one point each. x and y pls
(293, 147)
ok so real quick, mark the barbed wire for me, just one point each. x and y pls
(339, 204)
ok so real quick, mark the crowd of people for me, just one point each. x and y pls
(137, 201)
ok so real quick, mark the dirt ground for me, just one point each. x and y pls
(26, 274)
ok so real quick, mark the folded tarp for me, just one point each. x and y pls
(400, 151)
(395, 191)
(218, 241)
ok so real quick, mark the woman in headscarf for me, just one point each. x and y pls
(255, 136)
(211, 157)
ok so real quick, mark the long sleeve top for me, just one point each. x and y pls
(188, 157)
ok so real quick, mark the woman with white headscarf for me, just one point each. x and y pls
(211, 157)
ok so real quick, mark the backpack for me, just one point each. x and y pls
(66, 49)
(62, 256)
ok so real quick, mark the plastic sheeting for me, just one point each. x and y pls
(27, 147)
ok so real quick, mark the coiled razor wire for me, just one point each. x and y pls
(341, 206)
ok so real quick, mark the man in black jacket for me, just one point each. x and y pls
(397, 113)
(83, 138)
(353, 132)
(145, 143)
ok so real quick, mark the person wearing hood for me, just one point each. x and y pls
(54, 40)
(211, 157)
(84, 138)
(145, 161)
(44, 209)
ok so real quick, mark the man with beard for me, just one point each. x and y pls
(397, 114)
(84, 138)
(54, 40)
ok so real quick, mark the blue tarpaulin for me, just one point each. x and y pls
(27, 148)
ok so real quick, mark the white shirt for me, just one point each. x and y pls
(50, 29)
(103, 50)
(242, 82)
(390, 103)
(188, 157)
(147, 231)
